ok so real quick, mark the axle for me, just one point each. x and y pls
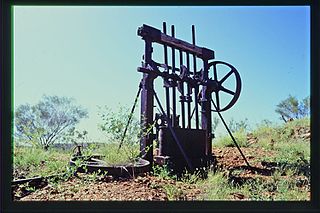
(211, 85)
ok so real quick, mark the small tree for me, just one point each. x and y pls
(114, 123)
(113, 126)
(292, 108)
(235, 126)
(76, 136)
(48, 120)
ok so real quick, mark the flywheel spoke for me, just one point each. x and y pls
(217, 85)
(227, 91)
(217, 99)
(225, 77)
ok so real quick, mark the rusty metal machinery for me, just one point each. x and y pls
(184, 139)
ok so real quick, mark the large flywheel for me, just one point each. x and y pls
(226, 85)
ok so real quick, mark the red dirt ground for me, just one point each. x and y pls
(141, 188)
(148, 187)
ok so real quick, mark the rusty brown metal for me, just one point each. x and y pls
(167, 91)
(96, 165)
(187, 145)
(196, 88)
(147, 83)
(155, 35)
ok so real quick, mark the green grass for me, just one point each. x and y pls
(290, 154)
(265, 133)
(163, 172)
(115, 156)
(217, 187)
(226, 141)
(38, 162)
(111, 153)
(34, 161)
(276, 138)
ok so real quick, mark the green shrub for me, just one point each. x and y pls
(173, 192)
(163, 172)
(113, 156)
(121, 148)
(114, 123)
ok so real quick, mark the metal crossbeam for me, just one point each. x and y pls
(156, 35)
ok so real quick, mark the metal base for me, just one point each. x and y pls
(179, 166)
(95, 165)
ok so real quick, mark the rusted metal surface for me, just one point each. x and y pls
(156, 35)
(35, 180)
(221, 88)
(91, 165)
(184, 140)
(147, 104)
(196, 88)
(192, 141)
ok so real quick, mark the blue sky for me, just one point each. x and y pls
(92, 53)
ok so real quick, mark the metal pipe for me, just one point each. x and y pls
(234, 140)
(167, 91)
(173, 88)
(196, 89)
(130, 117)
(206, 110)
(147, 84)
(189, 94)
(182, 99)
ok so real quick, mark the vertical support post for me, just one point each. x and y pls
(167, 91)
(173, 87)
(206, 111)
(182, 99)
(147, 102)
(189, 94)
(196, 89)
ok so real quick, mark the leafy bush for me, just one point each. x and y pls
(113, 125)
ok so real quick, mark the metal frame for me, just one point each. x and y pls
(197, 82)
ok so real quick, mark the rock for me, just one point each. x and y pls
(306, 136)
(238, 196)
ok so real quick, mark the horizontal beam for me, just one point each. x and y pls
(211, 84)
(155, 35)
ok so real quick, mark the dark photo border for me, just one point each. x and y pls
(8, 205)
